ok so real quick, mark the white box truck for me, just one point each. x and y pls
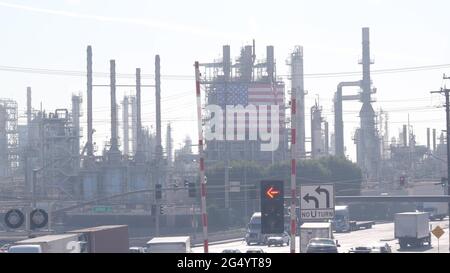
(412, 228)
(311, 230)
(176, 244)
(63, 243)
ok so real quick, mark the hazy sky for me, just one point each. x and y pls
(54, 35)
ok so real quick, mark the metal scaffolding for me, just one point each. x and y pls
(9, 120)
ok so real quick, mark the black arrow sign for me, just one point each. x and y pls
(308, 198)
(319, 190)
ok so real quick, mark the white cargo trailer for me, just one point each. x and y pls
(412, 228)
(61, 243)
(309, 231)
(176, 244)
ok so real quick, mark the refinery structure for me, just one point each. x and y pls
(45, 160)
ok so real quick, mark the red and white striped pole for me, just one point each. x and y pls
(201, 160)
(293, 169)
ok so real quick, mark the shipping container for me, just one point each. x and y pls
(106, 239)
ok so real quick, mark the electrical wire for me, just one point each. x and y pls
(77, 73)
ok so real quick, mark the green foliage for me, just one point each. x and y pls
(346, 176)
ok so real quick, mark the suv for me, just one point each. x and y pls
(278, 239)
(322, 245)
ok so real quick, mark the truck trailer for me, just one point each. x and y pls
(63, 243)
(436, 210)
(342, 222)
(105, 239)
(412, 228)
(176, 244)
(309, 231)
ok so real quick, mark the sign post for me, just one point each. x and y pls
(317, 201)
(438, 232)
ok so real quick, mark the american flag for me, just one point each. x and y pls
(256, 94)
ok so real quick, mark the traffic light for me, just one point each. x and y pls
(161, 209)
(252, 192)
(191, 190)
(158, 191)
(272, 207)
(444, 181)
(402, 181)
(153, 209)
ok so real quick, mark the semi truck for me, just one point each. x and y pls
(342, 222)
(436, 210)
(63, 243)
(412, 229)
(176, 244)
(311, 230)
(105, 239)
(253, 233)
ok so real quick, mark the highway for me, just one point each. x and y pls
(378, 233)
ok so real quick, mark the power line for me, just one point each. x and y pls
(78, 73)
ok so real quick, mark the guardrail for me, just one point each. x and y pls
(237, 234)
(220, 236)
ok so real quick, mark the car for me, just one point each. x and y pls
(381, 248)
(231, 251)
(136, 249)
(278, 240)
(361, 249)
(322, 245)
(255, 250)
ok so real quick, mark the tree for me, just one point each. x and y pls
(346, 176)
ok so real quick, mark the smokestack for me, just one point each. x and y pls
(138, 109)
(27, 160)
(316, 121)
(169, 145)
(338, 124)
(158, 107)
(326, 139)
(270, 63)
(405, 136)
(366, 66)
(434, 140)
(126, 128)
(297, 84)
(254, 52)
(139, 155)
(29, 114)
(226, 62)
(428, 139)
(76, 102)
(114, 143)
(89, 102)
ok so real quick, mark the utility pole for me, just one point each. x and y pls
(447, 123)
(201, 160)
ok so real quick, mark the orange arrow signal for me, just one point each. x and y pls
(271, 192)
